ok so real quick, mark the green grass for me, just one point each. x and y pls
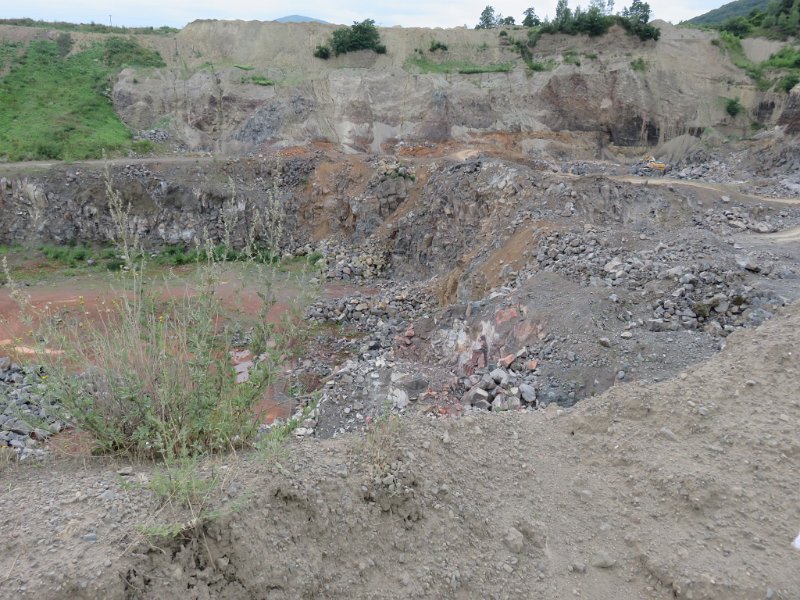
(733, 47)
(78, 255)
(180, 483)
(538, 66)
(60, 108)
(89, 27)
(426, 65)
(124, 52)
(8, 53)
(571, 58)
(786, 58)
(639, 64)
(258, 80)
(179, 255)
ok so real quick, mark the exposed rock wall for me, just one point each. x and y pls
(368, 102)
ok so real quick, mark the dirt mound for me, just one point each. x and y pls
(678, 149)
(659, 491)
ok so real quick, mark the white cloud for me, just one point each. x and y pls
(411, 13)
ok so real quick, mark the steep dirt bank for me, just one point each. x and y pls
(364, 101)
(685, 489)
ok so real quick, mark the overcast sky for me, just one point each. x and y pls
(409, 13)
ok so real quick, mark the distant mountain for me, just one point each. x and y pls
(299, 19)
(739, 8)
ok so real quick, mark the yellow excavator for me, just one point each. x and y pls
(651, 163)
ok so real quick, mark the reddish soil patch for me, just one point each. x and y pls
(91, 302)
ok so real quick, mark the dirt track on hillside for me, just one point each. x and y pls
(719, 188)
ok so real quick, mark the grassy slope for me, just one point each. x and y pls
(59, 108)
(739, 8)
(87, 27)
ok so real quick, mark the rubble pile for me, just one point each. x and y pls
(382, 315)
(27, 417)
(687, 289)
(509, 385)
(346, 262)
(158, 136)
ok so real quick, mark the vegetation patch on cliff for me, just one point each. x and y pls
(58, 106)
(426, 65)
(359, 36)
(781, 70)
(89, 27)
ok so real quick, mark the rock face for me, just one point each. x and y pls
(163, 206)
(790, 117)
(365, 101)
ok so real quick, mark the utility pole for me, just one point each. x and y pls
(109, 21)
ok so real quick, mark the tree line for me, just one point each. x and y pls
(780, 19)
(595, 20)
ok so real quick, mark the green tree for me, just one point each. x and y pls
(638, 13)
(738, 26)
(594, 22)
(506, 21)
(487, 20)
(563, 14)
(636, 19)
(530, 20)
(603, 7)
(359, 36)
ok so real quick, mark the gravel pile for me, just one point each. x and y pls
(509, 385)
(690, 291)
(159, 136)
(346, 262)
(382, 315)
(26, 417)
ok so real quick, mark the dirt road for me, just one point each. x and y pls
(731, 190)
(36, 165)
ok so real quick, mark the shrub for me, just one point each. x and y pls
(359, 36)
(787, 83)
(785, 58)
(158, 379)
(64, 43)
(733, 107)
(143, 146)
(738, 26)
(436, 45)
(540, 66)
(323, 52)
(639, 64)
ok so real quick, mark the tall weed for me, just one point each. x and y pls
(156, 377)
